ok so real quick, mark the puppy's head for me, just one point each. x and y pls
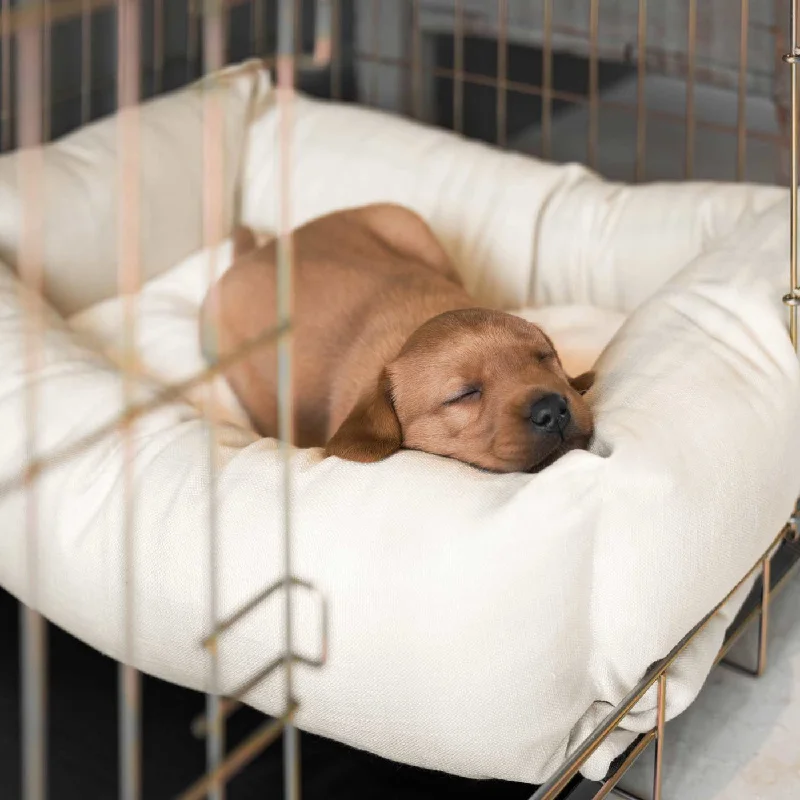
(480, 386)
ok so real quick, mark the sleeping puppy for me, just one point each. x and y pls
(390, 351)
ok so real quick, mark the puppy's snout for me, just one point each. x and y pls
(550, 414)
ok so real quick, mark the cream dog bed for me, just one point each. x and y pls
(479, 624)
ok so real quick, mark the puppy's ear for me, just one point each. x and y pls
(244, 240)
(371, 431)
(582, 383)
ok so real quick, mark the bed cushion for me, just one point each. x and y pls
(168, 348)
(479, 624)
(81, 187)
(509, 222)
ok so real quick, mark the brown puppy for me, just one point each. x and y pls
(390, 351)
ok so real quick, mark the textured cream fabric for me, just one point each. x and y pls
(81, 185)
(521, 231)
(479, 624)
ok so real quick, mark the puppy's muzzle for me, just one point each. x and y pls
(550, 414)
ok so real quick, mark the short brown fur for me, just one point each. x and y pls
(386, 343)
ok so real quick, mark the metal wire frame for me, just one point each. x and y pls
(658, 673)
(547, 79)
(24, 21)
(28, 22)
(464, 25)
(552, 788)
(792, 298)
(641, 104)
(214, 58)
(503, 85)
(33, 626)
(129, 283)
(221, 768)
(549, 94)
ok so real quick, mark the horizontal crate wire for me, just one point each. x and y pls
(637, 89)
(616, 81)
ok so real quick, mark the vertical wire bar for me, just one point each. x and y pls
(375, 8)
(286, 78)
(257, 39)
(661, 714)
(86, 61)
(641, 106)
(416, 58)
(158, 46)
(192, 37)
(33, 626)
(741, 110)
(129, 686)
(34, 704)
(5, 69)
(594, 82)
(298, 25)
(547, 80)
(128, 89)
(323, 33)
(610, 786)
(45, 110)
(47, 72)
(763, 623)
(213, 230)
(336, 50)
(794, 55)
(688, 167)
(458, 67)
(502, 72)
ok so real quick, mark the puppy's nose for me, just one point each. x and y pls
(550, 414)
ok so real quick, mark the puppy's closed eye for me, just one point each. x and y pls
(465, 393)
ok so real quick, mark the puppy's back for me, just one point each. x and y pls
(363, 279)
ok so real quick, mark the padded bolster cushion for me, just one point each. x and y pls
(479, 624)
(522, 232)
(77, 196)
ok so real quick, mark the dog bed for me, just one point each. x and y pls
(479, 624)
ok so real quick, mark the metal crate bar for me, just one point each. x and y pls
(30, 87)
(559, 780)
